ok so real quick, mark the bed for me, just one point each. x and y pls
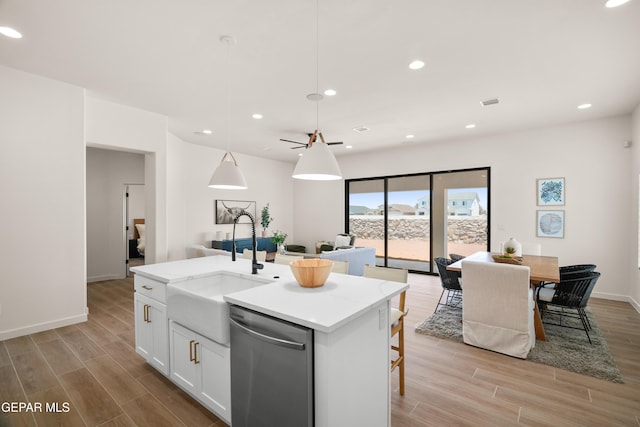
(139, 235)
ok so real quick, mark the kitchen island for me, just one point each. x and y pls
(349, 316)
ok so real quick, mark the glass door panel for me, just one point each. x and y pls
(408, 217)
(460, 212)
(366, 215)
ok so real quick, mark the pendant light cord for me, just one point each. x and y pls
(227, 39)
(317, 64)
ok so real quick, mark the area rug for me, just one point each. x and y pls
(565, 348)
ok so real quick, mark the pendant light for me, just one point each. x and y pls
(228, 175)
(318, 162)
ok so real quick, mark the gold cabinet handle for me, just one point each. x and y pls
(147, 287)
(195, 353)
(147, 318)
(191, 358)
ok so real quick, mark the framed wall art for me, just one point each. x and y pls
(550, 192)
(226, 211)
(550, 224)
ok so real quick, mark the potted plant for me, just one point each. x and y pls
(279, 238)
(266, 220)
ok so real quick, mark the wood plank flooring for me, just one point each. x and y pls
(92, 367)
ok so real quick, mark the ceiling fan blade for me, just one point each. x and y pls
(294, 142)
(302, 146)
(335, 143)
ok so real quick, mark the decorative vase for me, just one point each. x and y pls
(282, 248)
(264, 232)
(513, 244)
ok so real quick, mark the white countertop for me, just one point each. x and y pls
(340, 300)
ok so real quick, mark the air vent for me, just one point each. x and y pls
(488, 102)
(361, 129)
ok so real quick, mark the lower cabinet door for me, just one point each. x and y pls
(184, 370)
(151, 332)
(201, 367)
(215, 377)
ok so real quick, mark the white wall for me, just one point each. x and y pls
(634, 236)
(43, 224)
(107, 173)
(590, 156)
(191, 208)
(115, 126)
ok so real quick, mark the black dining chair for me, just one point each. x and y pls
(571, 293)
(456, 257)
(451, 283)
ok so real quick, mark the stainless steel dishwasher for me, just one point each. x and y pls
(271, 371)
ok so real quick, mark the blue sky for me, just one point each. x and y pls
(373, 200)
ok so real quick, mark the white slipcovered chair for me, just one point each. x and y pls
(197, 251)
(286, 259)
(497, 310)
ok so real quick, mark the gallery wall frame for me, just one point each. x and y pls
(550, 192)
(550, 223)
(226, 210)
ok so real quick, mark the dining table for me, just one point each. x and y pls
(542, 269)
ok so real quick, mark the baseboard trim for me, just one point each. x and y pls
(105, 277)
(617, 297)
(32, 329)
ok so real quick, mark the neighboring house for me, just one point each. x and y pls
(358, 210)
(463, 204)
(398, 209)
(423, 208)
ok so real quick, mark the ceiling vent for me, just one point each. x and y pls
(488, 102)
(361, 129)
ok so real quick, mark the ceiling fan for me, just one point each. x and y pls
(312, 138)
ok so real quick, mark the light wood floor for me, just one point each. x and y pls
(93, 367)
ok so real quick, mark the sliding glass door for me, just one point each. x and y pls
(412, 219)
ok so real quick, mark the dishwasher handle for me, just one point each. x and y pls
(272, 340)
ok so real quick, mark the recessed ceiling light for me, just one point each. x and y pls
(257, 116)
(615, 3)
(330, 92)
(416, 65)
(207, 131)
(10, 32)
(361, 129)
(470, 126)
(348, 147)
(300, 154)
(410, 136)
(584, 106)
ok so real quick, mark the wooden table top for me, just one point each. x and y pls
(543, 268)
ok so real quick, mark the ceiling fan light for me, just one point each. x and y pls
(317, 164)
(228, 175)
(615, 3)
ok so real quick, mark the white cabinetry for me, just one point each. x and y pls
(151, 323)
(202, 368)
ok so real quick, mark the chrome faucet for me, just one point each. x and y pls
(255, 265)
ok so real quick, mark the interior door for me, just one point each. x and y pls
(134, 200)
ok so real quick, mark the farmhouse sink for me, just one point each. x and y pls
(198, 303)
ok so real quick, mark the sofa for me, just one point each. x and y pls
(357, 258)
